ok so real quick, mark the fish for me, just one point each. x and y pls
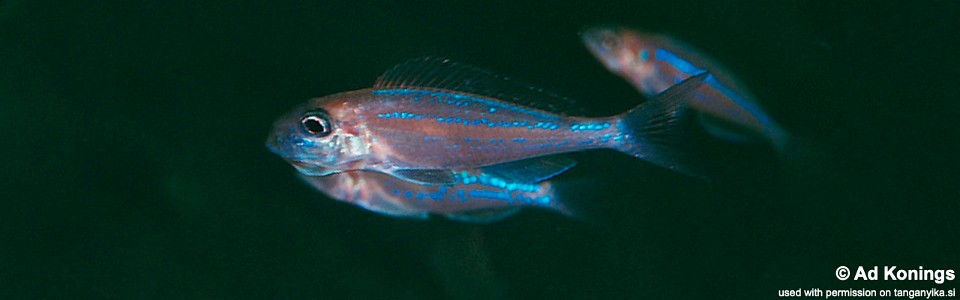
(474, 198)
(428, 119)
(653, 63)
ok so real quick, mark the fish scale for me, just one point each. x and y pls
(462, 132)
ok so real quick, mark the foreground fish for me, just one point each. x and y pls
(653, 63)
(426, 120)
(474, 198)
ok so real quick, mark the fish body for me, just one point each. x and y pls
(652, 63)
(475, 197)
(428, 119)
(424, 129)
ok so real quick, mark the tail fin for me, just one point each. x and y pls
(783, 141)
(656, 130)
(576, 198)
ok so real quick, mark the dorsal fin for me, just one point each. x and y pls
(444, 74)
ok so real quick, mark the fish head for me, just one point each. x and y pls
(623, 51)
(323, 137)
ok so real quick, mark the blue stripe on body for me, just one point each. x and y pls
(739, 100)
(677, 62)
(461, 100)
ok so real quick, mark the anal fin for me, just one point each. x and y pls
(484, 216)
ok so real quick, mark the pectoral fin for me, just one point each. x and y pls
(530, 170)
(426, 177)
(524, 171)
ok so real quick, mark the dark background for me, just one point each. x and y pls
(133, 163)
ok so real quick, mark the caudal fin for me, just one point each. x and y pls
(577, 198)
(657, 131)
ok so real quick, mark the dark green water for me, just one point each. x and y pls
(134, 166)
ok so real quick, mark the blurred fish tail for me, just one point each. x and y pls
(783, 142)
(803, 154)
(576, 198)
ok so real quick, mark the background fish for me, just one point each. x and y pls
(475, 197)
(652, 63)
(427, 119)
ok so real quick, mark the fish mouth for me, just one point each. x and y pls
(274, 144)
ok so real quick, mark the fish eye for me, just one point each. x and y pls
(611, 41)
(317, 122)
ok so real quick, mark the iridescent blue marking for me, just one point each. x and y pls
(438, 196)
(490, 195)
(408, 195)
(464, 100)
(400, 115)
(299, 141)
(493, 110)
(644, 55)
(749, 106)
(544, 199)
(541, 200)
(677, 62)
(543, 125)
(467, 121)
(496, 182)
(605, 138)
(461, 196)
(590, 126)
